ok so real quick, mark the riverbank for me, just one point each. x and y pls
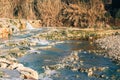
(112, 46)
(32, 40)
(76, 34)
(9, 27)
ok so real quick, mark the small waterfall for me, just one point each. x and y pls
(29, 26)
(40, 42)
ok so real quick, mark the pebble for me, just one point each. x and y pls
(112, 45)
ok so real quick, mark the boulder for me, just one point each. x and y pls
(28, 73)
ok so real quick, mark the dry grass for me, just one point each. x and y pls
(84, 15)
(57, 12)
(49, 9)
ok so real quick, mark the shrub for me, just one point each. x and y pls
(83, 14)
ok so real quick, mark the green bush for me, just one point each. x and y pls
(118, 14)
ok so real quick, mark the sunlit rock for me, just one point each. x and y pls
(49, 72)
(74, 56)
(15, 66)
(3, 65)
(90, 72)
(102, 68)
(36, 23)
(28, 72)
(5, 33)
(29, 26)
(39, 42)
(14, 29)
(3, 60)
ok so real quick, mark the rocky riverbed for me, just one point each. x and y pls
(112, 46)
(46, 46)
(13, 70)
(75, 64)
(78, 59)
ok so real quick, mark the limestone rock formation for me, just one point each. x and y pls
(25, 72)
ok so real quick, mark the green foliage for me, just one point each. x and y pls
(107, 15)
(1, 74)
(118, 14)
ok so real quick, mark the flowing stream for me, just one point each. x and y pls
(46, 53)
(55, 54)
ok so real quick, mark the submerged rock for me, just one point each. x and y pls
(25, 72)
(7, 73)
